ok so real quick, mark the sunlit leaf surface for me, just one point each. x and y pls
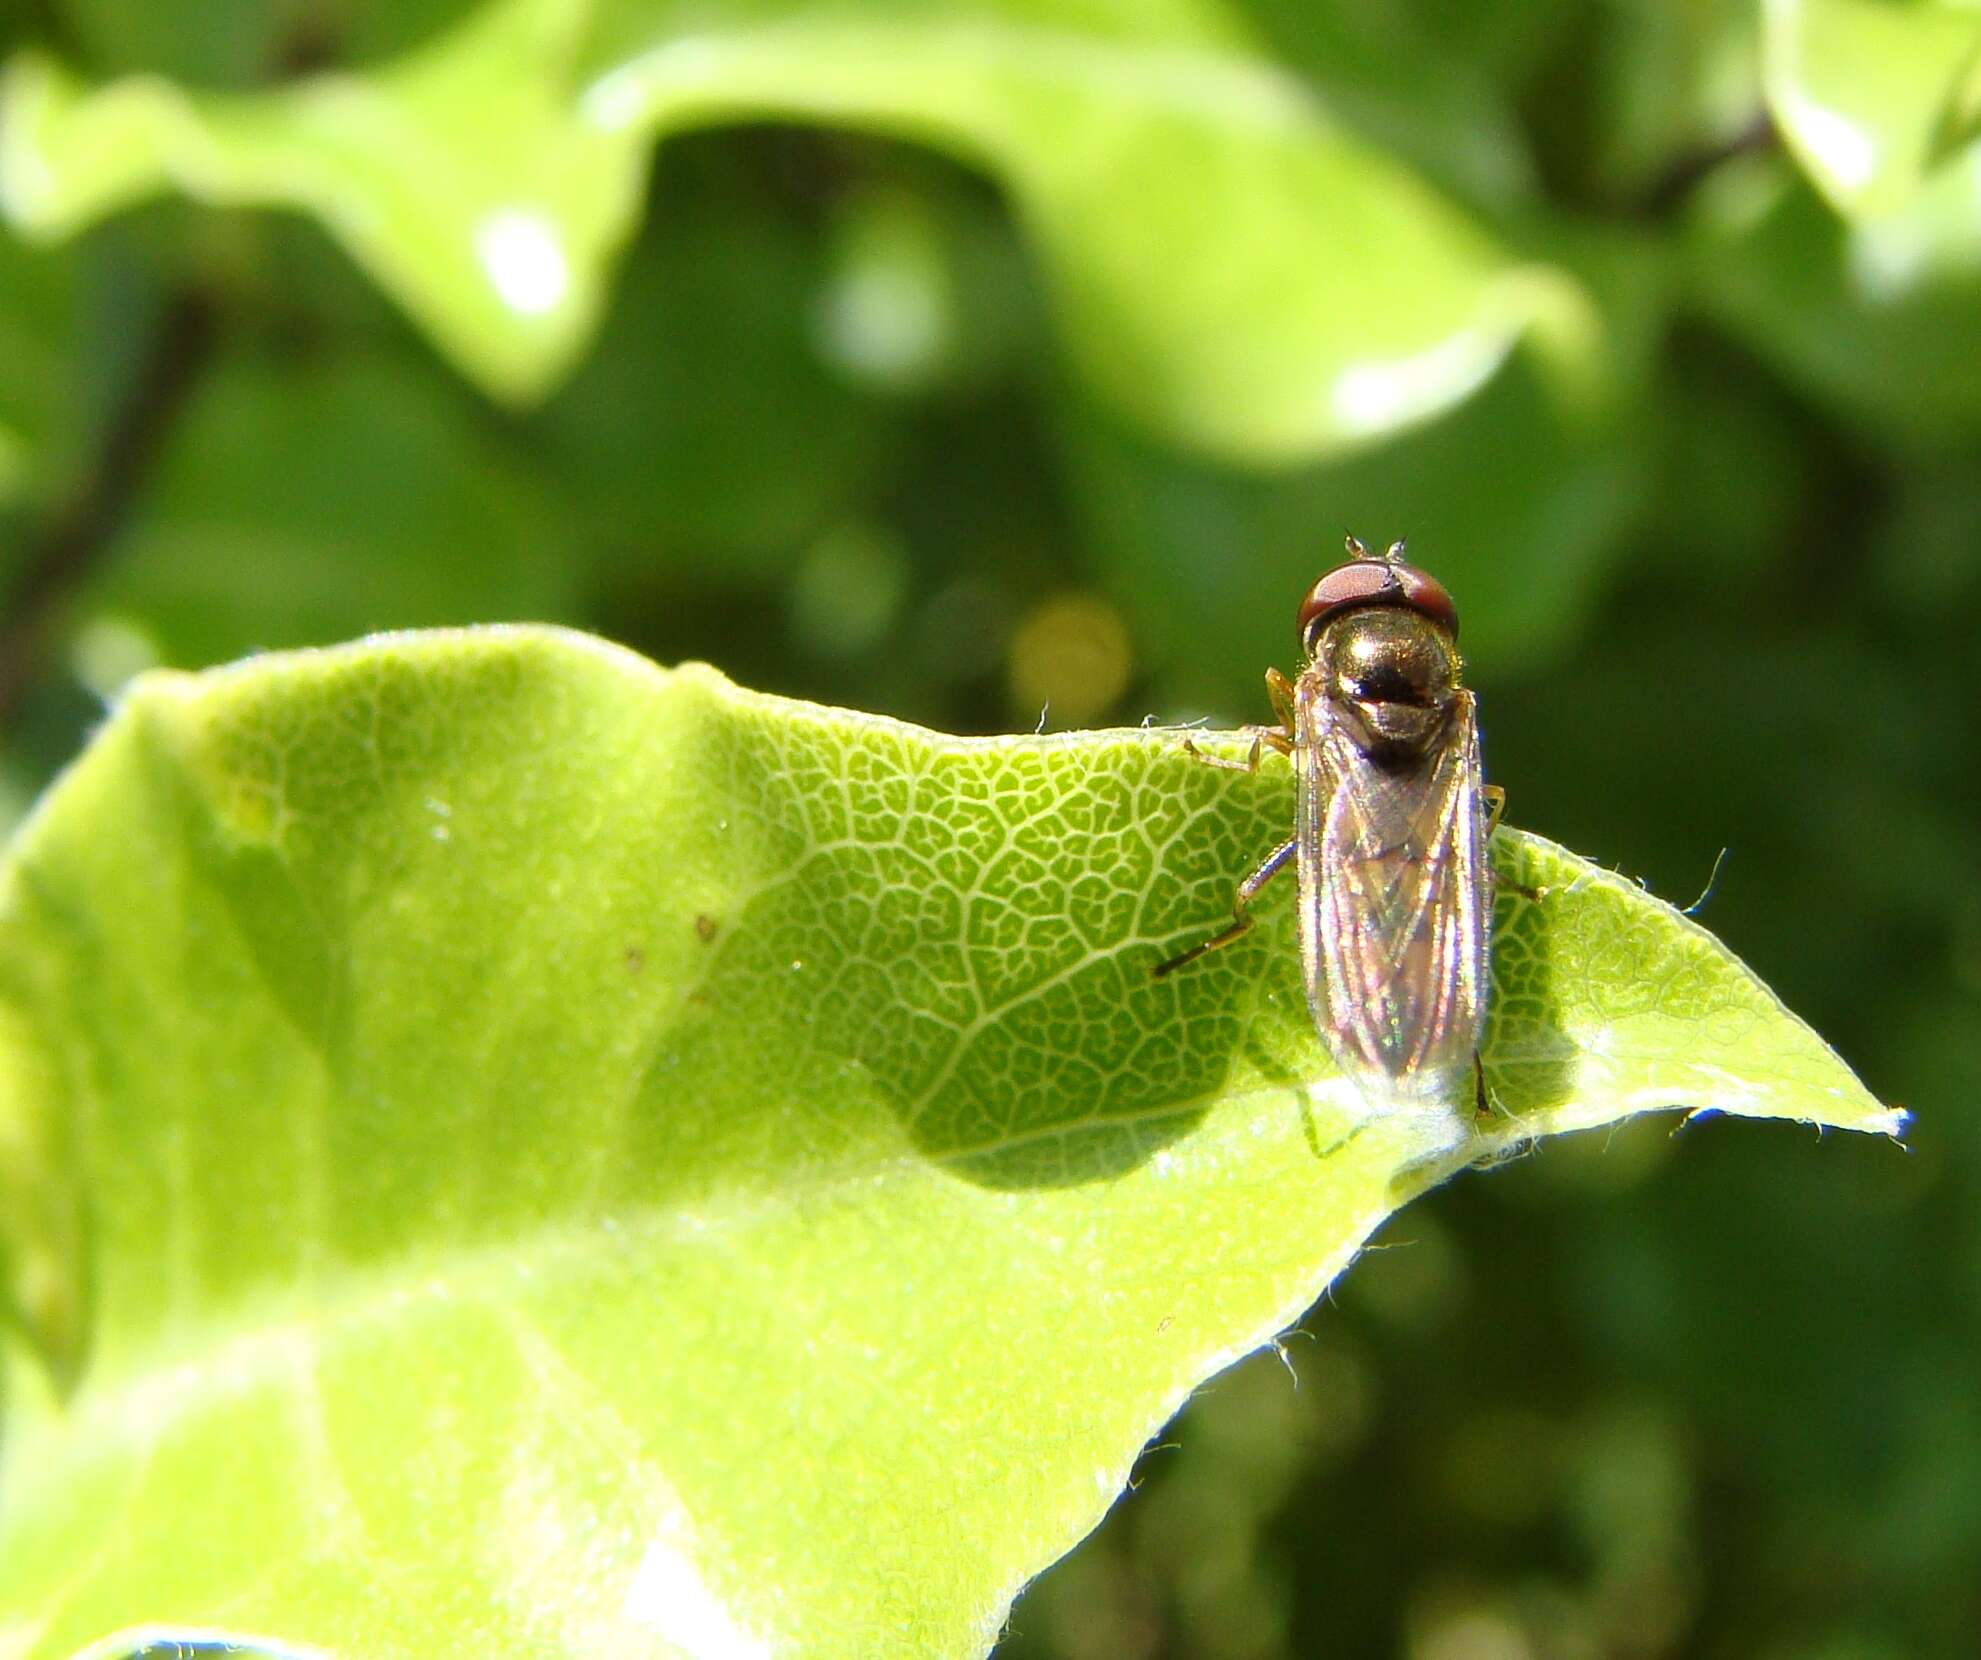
(514, 1150)
(1228, 263)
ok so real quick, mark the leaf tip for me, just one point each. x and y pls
(1891, 1123)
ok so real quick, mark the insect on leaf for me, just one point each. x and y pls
(510, 1148)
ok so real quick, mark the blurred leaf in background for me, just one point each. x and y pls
(1871, 98)
(985, 363)
(486, 180)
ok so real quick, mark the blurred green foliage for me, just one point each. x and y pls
(964, 359)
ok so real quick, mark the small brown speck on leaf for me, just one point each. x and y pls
(707, 927)
(636, 959)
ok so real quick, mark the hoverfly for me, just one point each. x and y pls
(1389, 836)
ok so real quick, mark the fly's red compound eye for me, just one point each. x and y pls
(1366, 581)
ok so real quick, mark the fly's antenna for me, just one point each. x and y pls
(1355, 548)
(1395, 554)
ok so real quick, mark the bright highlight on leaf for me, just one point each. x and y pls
(1870, 96)
(515, 1150)
(455, 175)
(1229, 264)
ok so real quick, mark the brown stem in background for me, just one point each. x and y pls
(1687, 171)
(77, 532)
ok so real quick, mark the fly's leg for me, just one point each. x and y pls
(1483, 1106)
(1495, 799)
(1279, 690)
(1241, 916)
(1262, 736)
(1279, 693)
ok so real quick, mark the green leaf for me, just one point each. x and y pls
(512, 1149)
(1228, 263)
(242, 42)
(456, 175)
(1867, 93)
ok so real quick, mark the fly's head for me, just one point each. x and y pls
(1383, 638)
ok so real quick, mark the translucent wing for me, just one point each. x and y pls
(1394, 904)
